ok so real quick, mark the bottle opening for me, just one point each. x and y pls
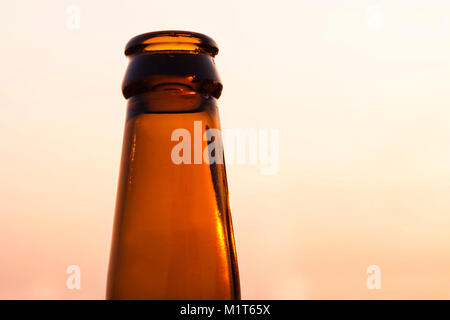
(171, 41)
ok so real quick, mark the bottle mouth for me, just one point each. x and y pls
(171, 41)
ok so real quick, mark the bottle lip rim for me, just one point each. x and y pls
(191, 42)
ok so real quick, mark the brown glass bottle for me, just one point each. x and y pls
(173, 235)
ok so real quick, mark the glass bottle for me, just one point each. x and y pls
(173, 235)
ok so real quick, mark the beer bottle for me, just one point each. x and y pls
(173, 235)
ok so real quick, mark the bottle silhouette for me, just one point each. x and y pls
(173, 235)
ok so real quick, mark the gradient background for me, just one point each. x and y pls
(363, 114)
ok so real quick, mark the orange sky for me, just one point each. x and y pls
(362, 110)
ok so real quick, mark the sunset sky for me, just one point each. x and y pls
(358, 91)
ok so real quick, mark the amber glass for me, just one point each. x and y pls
(173, 236)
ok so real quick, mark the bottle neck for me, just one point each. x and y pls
(147, 71)
(170, 98)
